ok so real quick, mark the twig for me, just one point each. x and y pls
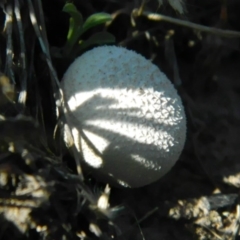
(36, 28)
(9, 49)
(42, 25)
(23, 78)
(58, 94)
(138, 35)
(216, 31)
(170, 55)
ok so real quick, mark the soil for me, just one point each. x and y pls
(42, 195)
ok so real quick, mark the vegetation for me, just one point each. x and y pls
(45, 194)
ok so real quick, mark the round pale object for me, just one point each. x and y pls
(126, 117)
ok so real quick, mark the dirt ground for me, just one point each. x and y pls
(41, 194)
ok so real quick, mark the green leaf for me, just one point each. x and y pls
(75, 26)
(96, 19)
(97, 38)
(74, 13)
(72, 30)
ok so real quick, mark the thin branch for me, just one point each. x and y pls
(8, 27)
(42, 25)
(216, 31)
(58, 94)
(23, 78)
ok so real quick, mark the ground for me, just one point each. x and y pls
(42, 194)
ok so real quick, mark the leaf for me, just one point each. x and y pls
(75, 25)
(77, 28)
(178, 5)
(96, 19)
(74, 13)
(97, 38)
(72, 30)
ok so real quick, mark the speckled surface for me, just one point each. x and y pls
(126, 117)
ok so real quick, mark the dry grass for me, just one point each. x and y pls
(42, 192)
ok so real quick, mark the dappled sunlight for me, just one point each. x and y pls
(127, 129)
(144, 162)
(128, 115)
(100, 143)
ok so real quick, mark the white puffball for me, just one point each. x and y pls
(126, 117)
